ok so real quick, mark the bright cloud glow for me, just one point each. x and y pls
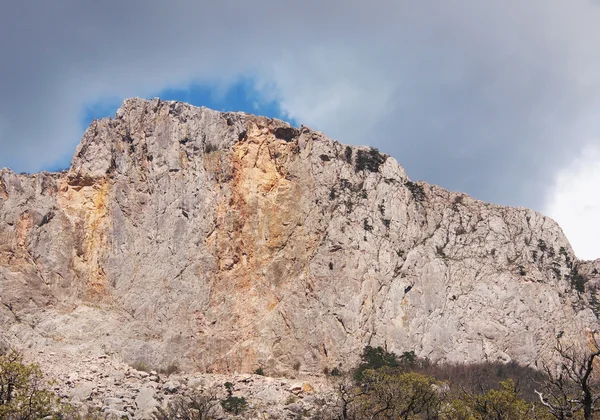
(575, 203)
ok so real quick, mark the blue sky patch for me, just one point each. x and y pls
(240, 96)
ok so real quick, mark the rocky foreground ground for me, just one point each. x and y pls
(103, 384)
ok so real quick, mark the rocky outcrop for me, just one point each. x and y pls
(227, 242)
(103, 386)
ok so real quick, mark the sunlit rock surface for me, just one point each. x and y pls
(225, 242)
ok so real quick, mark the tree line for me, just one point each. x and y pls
(384, 386)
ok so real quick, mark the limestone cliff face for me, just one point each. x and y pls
(225, 242)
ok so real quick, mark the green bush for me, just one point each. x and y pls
(231, 404)
(197, 405)
(368, 160)
(348, 154)
(577, 280)
(374, 358)
(502, 403)
(23, 395)
(392, 394)
(417, 190)
(234, 405)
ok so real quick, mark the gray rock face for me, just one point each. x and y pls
(225, 242)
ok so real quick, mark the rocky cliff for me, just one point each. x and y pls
(226, 242)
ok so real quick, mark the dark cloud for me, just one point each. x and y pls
(490, 98)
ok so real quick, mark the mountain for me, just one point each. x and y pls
(227, 242)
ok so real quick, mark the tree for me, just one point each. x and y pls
(375, 358)
(368, 160)
(389, 393)
(573, 387)
(499, 404)
(457, 409)
(233, 404)
(196, 406)
(22, 393)
(341, 406)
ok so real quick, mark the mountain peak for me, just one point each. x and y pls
(227, 242)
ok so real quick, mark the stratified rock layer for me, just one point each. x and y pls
(226, 242)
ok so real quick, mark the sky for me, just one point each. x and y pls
(498, 99)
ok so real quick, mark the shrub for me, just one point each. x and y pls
(577, 280)
(332, 193)
(259, 371)
(374, 358)
(417, 190)
(141, 366)
(409, 387)
(22, 392)
(349, 206)
(556, 271)
(234, 405)
(198, 405)
(408, 358)
(439, 250)
(170, 369)
(502, 403)
(562, 251)
(348, 154)
(393, 394)
(572, 390)
(231, 404)
(368, 160)
(542, 245)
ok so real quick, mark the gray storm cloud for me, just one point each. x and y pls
(491, 98)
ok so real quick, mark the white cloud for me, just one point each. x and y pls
(331, 88)
(575, 202)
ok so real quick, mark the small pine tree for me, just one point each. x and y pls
(375, 358)
(22, 392)
(231, 404)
